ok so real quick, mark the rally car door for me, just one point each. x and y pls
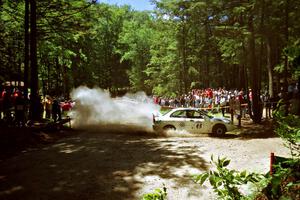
(196, 123)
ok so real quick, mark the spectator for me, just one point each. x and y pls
(231, 107)
(223, 104)
(56, 112)
(48, 106)
(267, 105)
(7, 103)
(20, 110)
(66, 107)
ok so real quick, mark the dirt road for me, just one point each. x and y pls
(92, 165)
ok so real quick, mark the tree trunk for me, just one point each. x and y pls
(26, 50)
(207, 47)
(34, 97)
(241, 84)
(269, 68)
(49, 82)
(254, 75)
(286, 34)
(260, 64)
(262, 43)
(286, 62)
(184, 57)
(20, 78)
(58, 79)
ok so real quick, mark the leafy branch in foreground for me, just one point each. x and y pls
(288, 128)
(285, 182)
(227, 183)
(158, 194)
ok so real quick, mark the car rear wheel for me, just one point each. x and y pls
(219, 129)
(169, 127)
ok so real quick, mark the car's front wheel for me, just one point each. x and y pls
(219, 129)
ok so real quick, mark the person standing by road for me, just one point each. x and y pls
(56, 112)
(20, 110)
(231, 107)
(267, 105)
(48, 107)
(7, 105)
(223, 104)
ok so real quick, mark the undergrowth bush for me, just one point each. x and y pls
(284, 184)
(288, 128)
(158, 194)
(227, 183)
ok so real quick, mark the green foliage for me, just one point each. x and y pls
(226, 182)
(164, 52)
(288, 128)
(135, 39)
(196, 85)
(11, 26)
(285, 182)
(293, 53)
(229, 49)
(158, 194)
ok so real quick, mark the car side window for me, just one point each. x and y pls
(190, 114)
(179, 114)
(198, 115)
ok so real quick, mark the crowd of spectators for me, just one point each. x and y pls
(203, 98)
(222, 99)
(14, 106)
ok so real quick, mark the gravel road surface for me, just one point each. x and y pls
(110, 165)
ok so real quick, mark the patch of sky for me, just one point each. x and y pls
(140, 5)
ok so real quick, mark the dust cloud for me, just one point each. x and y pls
(95, 108)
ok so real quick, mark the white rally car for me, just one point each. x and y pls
(192, 120)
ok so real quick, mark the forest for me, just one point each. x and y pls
(55, 46)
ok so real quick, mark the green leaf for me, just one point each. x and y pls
(243, 174)
(212, 180)
(200, 179)
(203, 178)
(226, 163)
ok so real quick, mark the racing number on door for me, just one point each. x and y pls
(199, 125)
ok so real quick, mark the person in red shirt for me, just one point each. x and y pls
(250, 95)
(66, 106)
(241, 96)
(3, 93)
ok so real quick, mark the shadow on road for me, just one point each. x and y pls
(250, 130)
(97, 165)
